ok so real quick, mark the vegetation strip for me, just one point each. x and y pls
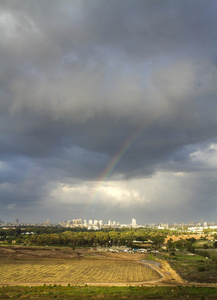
(93, 292)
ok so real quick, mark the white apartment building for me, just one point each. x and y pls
(134, 223)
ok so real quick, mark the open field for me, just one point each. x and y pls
(53, 265)
(199, 243)
(26, 265)
(85, 270)
(61, 273)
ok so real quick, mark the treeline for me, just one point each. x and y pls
(99, 238)
(36, 230)
(181, 244)
(19, 234)
(10, 232)
(77, 237)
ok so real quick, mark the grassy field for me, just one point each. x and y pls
(93, 292)
(193, 267)
(200, 243)
(85, 270)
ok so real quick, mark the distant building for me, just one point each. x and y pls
(77, 221)
(93, 227)
(163, 226)
(133, 223)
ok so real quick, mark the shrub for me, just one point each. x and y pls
(203, 253)
(191, 249)
(205, 246)
(201, 269)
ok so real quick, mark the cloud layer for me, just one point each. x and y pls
(122, 91)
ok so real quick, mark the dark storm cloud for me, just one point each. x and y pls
(79, 78)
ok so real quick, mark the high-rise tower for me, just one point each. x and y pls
(133, 222)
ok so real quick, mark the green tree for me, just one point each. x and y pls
(180, 244)
(191, 240)
(191, 248)
(170, 245)
(205, 246)
(158, 240)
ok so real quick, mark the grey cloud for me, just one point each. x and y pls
(79, 80)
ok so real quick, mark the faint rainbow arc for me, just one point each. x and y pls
(119, 154)
(115, 160)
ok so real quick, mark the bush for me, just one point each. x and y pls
(191, 240)
(203, 253)
(201, 269)
(191, 249)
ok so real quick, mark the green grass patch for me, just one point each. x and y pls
(93, 292)
(199, 244)
(193, 267)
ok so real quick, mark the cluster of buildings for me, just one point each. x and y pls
(17, 223)
(75, 223)
(96, 224)
(191, 227)
(91, 224)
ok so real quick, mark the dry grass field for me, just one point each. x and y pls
(78, 269)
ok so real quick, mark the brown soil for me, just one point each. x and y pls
(19, 252)
(184, 237)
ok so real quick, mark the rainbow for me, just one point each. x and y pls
(116, 159)
(120, 153)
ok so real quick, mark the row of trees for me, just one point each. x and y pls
(181, 244)
(60, 236)
(14, 232)
(101, 238)
(187, 244)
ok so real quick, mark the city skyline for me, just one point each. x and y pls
(100, 224)
(108, 108)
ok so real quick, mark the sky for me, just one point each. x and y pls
(108, 110)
